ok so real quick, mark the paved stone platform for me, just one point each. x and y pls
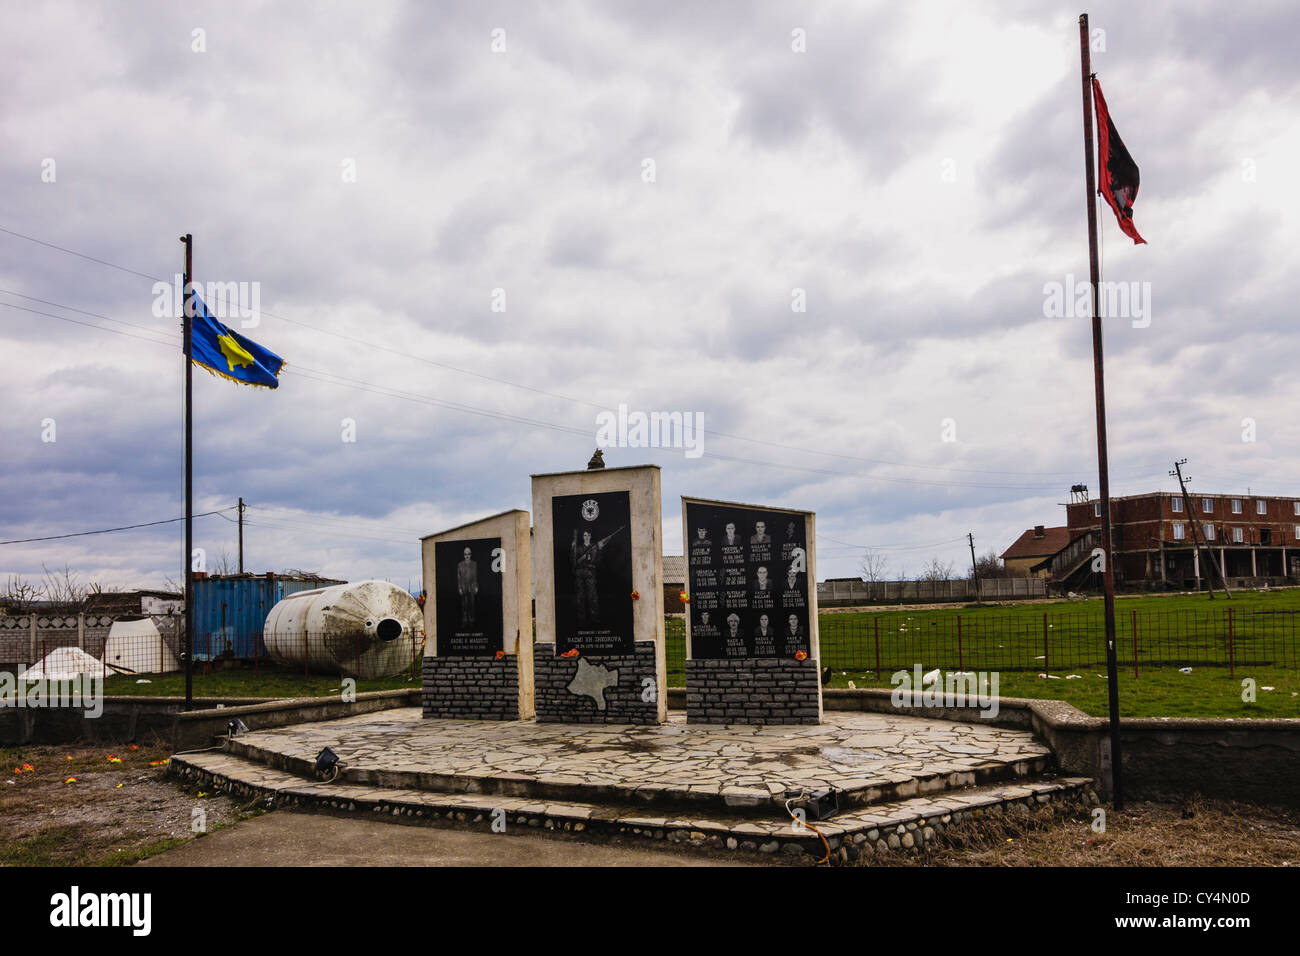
(867, 757)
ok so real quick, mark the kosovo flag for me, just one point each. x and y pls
(1119, 174)
(227, 353)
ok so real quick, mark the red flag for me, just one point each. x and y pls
(1119, 174)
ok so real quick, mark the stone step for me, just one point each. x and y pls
(883, 786)
(884, 827)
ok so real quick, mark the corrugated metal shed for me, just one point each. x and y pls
(230, 611)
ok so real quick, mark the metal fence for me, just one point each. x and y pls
(156, 656)
(1047, 642)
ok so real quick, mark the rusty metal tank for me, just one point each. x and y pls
(364, 630)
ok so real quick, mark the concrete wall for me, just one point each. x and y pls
(758, 690)
(625, 701)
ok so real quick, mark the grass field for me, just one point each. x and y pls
(1254, 636)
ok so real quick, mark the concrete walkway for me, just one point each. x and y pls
(286, 838)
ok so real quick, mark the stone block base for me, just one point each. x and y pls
(556, 703)
(754, 690)
(471, 688)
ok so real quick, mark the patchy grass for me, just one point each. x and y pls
(265, 681)
(111, 814)
(1198, 832)
(1158, 692)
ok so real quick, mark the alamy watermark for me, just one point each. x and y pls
(1116, 300)
(636, 429)
(225, 300)
(83, 691)
(954, 689)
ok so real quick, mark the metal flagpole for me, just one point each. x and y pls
(1103, 468)
(187, 322)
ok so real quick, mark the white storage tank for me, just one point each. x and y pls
(364, 630)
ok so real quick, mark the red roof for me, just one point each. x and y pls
(1030, 545)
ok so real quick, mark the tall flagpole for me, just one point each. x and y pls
(1103, 467)
(187, 322)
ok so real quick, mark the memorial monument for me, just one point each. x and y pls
(478, 654)
(598, 572)
(751, 616)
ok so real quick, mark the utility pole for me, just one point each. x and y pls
(241, 535)
(1191, 517)
(974, 569)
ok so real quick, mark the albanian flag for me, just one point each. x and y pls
(1119, 174)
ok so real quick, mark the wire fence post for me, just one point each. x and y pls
(876, 622)
(960, 659)
(1232, 647)
(1134, 613)
(1046, 667)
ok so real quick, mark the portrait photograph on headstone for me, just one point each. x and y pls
(468, 580)
(593, 573)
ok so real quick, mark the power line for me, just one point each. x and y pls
(502, 381)
(126, 527)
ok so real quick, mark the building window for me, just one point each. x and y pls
(1180, 533)
(1209, 531)
(1261, 507)
(1296, 506)
(1237, 536)
(1207, 505)
(1297, 532)
(1096, 509)
(1236, 506)
(1178, 505)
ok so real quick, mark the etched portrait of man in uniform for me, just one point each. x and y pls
(467, 587)
(585, 559)
(702, 538)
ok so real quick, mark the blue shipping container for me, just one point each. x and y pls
(230, 611)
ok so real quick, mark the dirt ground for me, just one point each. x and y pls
(1195, 833)
(121, 807)
(110, 814)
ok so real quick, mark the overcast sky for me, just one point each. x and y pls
(649, 185)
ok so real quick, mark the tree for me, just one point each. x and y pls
(989, 566)
(64, 589)
(937, 570)
(873, 566)
(20, 594)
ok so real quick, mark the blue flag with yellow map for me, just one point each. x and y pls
(228, 354)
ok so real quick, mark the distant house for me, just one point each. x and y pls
(132, 603)
(674, 583)
(1029, 552)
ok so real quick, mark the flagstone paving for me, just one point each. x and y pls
(867, 757)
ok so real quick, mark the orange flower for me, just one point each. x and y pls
(71, 780)
(133, 747)
(501, 655)
(686, 598)
(157, 763)
(635, 596)
(801, 655)
(28, 767)
(571, 652)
